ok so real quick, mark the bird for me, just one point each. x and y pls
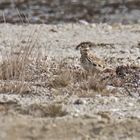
(89, 61)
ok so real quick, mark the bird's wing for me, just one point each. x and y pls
(95, 60)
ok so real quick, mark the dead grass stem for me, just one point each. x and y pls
(15, 87)
(14, 65)
(38, 110)
(61, 80)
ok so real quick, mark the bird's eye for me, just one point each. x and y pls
(90, 45)
(94, 64)
(99, 65)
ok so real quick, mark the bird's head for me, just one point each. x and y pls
(84, 47)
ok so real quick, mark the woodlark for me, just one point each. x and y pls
(89, 60)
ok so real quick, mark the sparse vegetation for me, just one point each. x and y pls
(52, 110)
(61, 80)
(15, 87)
(11, 68)
(96, 85)
(55, 110)
(53, 86)
(19, 72)
(16, 68)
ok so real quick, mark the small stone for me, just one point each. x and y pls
(83, 22)
(104, 101)
(93, 25)
(138, 101)
(130, 104)
(114, 99)
(79, 102)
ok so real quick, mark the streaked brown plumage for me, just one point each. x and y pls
(89, 60)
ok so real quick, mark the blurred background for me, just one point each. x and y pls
(66, 11)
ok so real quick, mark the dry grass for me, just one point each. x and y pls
(37, 110)
(23, 68)
(79, 75)
(78, 82)
(15, 87)
(55, 111)
(15, 67)
(92, 86)
(96, 85)
(20, 70)
(61, 80)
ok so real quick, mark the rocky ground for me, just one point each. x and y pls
(65, 11)
(50, 96)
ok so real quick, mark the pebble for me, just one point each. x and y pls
(79, 101)
(130, 104)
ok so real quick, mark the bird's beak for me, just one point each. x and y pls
(77, 47)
